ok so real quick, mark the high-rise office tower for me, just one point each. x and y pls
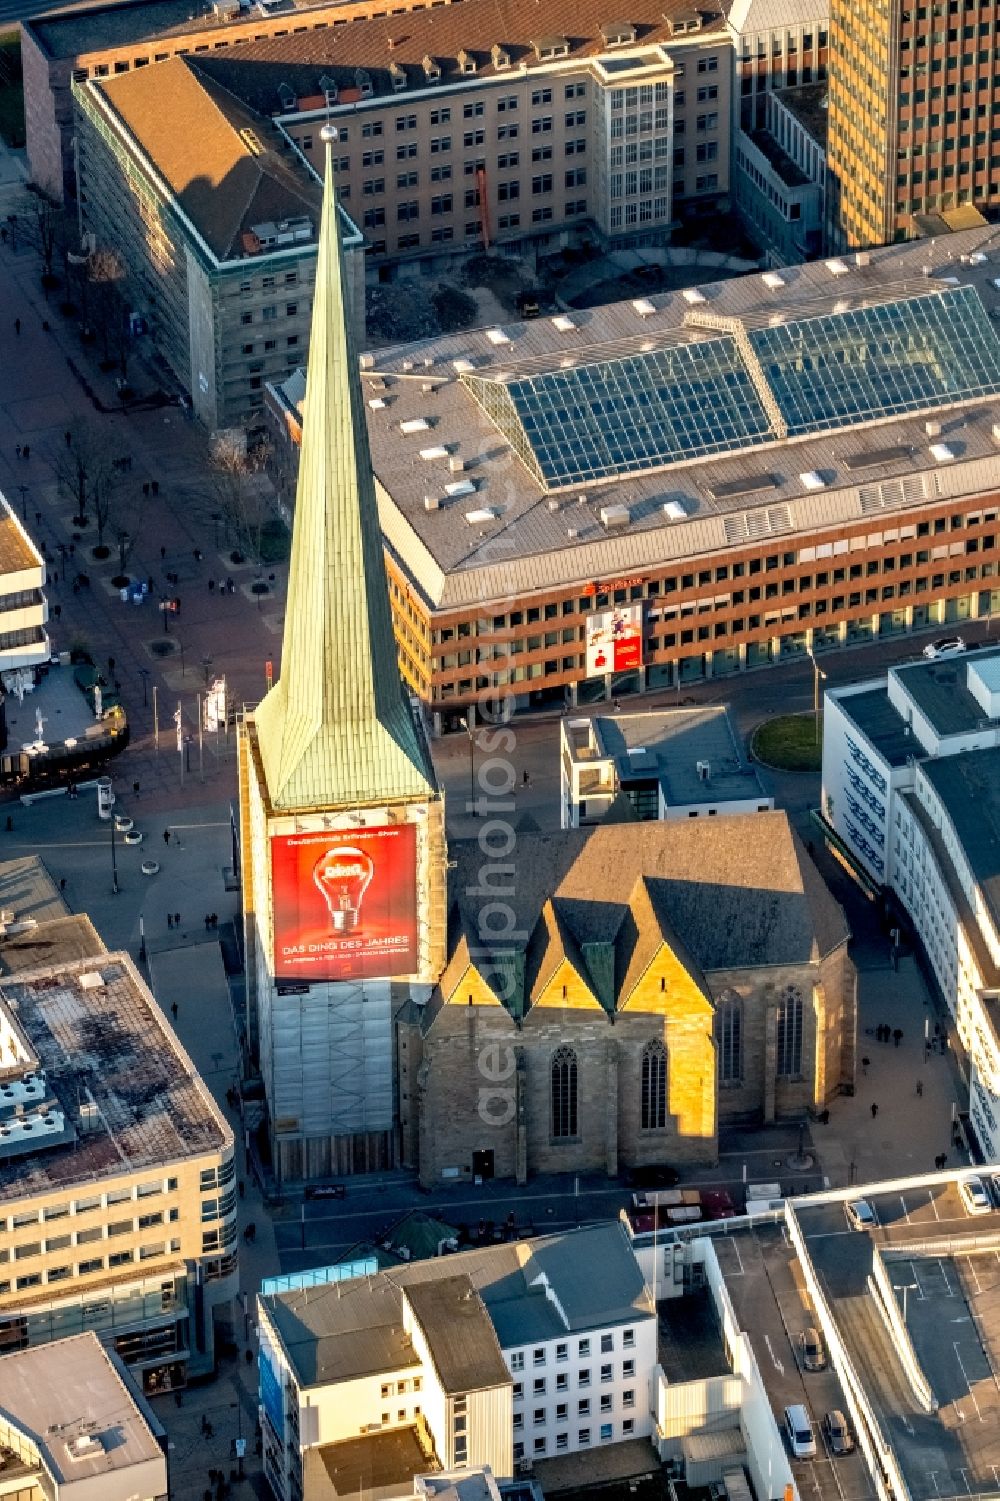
(914, 110)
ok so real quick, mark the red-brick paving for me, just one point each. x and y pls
(41, 396)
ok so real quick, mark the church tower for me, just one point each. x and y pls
(342, 823)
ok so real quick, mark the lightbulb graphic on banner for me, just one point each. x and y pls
(342, 876)
(345, 905)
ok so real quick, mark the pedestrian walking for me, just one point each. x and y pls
(135, 789)
(897, 1036)
(215, 919)
(177, 919)
(62, 883)
(526, 779)
(173, 1007)
(170, 920)
(197, 554)
(864, 1065)
(166, 836)
(17, 450)
(111, 664)
(145, 489)
(230, 586)
(26, 451)
(163, 553)
(874, 1110)
(68, 438)
(211, 586)
(208, 922)
(17, 327)
(920, 1088)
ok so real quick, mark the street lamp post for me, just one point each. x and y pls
(165, 608)
(904, 1288)
(24, 503)
(114, 855)
(467, 727)
(817, 674)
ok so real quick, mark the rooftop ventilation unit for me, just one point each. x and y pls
(497, 336)
(643, 307)
(415, 425)
(704, 771)
(456, 463)
(996, 432)
(836, 267)
(941, 453)
(554, 504)
(773, 280)
(485, 513)
(367, 362)
(563, 322)
(693, 296)
(437, 452)
(462, 366)
(567, 362)
(572, 532)
(862, 258)
(932, 429)
(407, 367)
(613, 518)
(92, 979)
(460, 487)
(812, 480)
(432, 502)
(842, 305)
(674, 510)
(376, 403)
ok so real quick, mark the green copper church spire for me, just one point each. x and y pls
(337, 728)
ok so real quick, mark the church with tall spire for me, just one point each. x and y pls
(342, 823)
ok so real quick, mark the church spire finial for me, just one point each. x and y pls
(337, 727)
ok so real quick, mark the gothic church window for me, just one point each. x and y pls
(654, 1086)
(729, 1037)
(563, 1093)
(789, 1034)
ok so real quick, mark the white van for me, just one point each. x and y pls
(799, 1428)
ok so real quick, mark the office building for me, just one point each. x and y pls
(24, 609)
(777, 44)
(678, 763)
(73, 1427)
(910, 771)
(630, 990)
(117, 1178)
(501, 1357)
(779, 176)
(214, 226)
(738, 472)
(913, 115)
(342, 824)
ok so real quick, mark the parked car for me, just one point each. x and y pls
(860, 1214)
(813, 1353)
(799, 1429)
(325, 1191)
(945, 646)
(974, 1195)
(839, 1438)
(653, 1176)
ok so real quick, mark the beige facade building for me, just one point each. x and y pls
(24, 609)
(214, 226)
(661, 980)
(117, 1176)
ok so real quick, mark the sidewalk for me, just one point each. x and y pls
(215, 633)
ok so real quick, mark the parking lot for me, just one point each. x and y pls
(772, 1306)
(946, 1277)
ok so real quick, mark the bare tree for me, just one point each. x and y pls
(90, 475)
(47, 229)
(106, 277)
(237, 475)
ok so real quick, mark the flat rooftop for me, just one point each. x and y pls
(807, 103)
(690, 1346)
(59, 941)
(99, 1035)
(81, 29)
(940, 690)
(62, 1392)
(668, 747)
(969, 788)
(460, 1336)
(366, 1465)
(951, 1264)
(788, 170)
(726, 453)
(881, 721)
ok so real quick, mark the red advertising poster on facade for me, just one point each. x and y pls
(345, 903)
(614, 640)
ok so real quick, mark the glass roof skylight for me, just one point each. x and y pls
(644, 411)
(865, 363)
(627, 415)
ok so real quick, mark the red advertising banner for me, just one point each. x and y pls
(614, 640)
(345, 903)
